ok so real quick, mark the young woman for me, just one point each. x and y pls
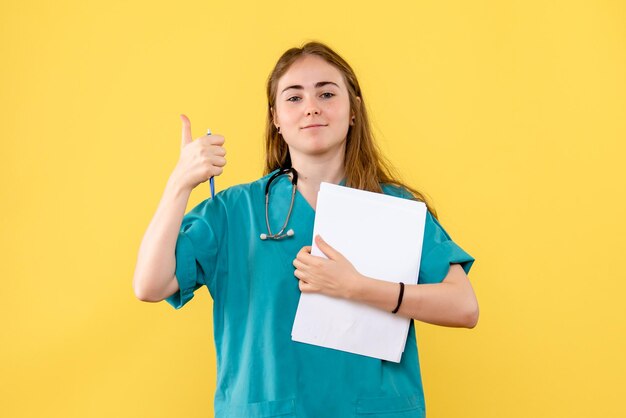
(317, 130)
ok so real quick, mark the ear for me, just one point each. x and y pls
(274, 118)
(358, 104)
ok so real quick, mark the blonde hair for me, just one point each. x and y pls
(365, 166)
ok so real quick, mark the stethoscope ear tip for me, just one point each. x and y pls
(290, 233)
(263, 237)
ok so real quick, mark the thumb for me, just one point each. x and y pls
(329, 251)
(186, 135)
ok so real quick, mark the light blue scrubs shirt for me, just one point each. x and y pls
(261, 372)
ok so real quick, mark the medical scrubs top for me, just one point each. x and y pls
(261, 372)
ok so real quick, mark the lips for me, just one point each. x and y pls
(317, 125)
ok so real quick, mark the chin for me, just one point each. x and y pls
(317, 151)
(314, 146)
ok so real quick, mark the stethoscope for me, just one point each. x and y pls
(294, 181)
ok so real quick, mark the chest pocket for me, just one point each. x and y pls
(391, 407)
(279, 408)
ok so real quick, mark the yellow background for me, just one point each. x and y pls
(510, 115)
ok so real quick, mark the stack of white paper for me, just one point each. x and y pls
(382, 237)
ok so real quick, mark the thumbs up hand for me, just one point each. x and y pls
(200, 159)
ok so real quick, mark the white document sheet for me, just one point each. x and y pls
(382, 237)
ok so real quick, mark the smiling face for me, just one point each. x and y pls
(312, 108)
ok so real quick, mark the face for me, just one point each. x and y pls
(312, 107)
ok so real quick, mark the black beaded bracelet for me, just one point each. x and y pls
(399, 298)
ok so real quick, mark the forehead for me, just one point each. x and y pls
(308, 70)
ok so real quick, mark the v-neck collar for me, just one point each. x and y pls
(306, 202)
(285, 182)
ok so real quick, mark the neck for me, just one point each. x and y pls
(314, 170)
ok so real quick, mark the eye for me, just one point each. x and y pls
(328, 95)
(292, 97)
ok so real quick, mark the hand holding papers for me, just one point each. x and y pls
(382, 237)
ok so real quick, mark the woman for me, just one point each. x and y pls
(318, 125)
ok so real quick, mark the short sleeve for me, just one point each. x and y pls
(438, 252)
(199, 239)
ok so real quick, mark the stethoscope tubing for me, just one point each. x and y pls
(280, 234)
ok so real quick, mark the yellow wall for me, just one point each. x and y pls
(510, 115)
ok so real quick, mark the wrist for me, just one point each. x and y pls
(357, 289)
(175, 184)
(379, 293)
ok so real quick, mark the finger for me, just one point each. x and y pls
(329, 251)
(307, 287)
(218, 161)
(305, 257)
(304, 250)
(304, 286)
(299, 274)
(311, 261)
(186, 134)
(212, 139)
(216, 171)
(299, 265)
(218, 150)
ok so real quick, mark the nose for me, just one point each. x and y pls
(311, 107)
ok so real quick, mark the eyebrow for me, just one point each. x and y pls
(318, 84)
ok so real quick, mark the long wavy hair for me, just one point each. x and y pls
(365, 166)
